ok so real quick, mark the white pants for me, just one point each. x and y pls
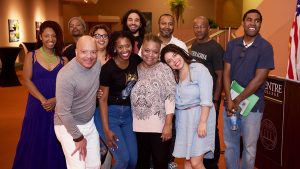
(89, 131)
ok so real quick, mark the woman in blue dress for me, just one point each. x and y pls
(195, 113)
(38, 147)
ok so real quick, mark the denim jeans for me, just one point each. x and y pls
(120, 122)
(249, 128)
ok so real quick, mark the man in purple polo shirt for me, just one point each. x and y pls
(247, 60)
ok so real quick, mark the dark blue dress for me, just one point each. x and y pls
(38, 147)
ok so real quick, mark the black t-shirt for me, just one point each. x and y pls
(139, 40)
(120, 81)
(69, 52)
(210, 54)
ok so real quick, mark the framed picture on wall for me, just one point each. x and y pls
(148, 17)
(37, 29)
(13, 30)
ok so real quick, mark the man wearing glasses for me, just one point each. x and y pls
(248, 60)
(76, 87)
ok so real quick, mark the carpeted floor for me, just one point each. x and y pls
(12, 106)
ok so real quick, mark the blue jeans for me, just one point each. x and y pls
(120, 122)
(249, 129)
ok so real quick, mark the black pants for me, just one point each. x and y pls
(151, 145)
(213, 163)
(171, 157)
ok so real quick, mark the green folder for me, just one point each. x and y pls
(251, 100)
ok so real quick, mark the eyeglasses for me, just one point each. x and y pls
(99, 36)
(243, 53)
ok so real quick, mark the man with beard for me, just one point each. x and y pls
(77, 27)
(210, 53)
(247, 60)
(166, 24)
(134, 22)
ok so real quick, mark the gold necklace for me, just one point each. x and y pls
(49, 59)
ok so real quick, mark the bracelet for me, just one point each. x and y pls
(78, 139)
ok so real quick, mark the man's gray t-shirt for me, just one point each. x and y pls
(76, 89)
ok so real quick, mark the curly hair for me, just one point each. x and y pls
(114, 36)
(100, 26)
(152, 37)
(59, 36)
(142, 19)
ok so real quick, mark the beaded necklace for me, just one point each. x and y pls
(49, 58)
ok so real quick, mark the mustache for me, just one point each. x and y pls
(133, 25)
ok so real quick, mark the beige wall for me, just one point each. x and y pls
(277, 21)
(250, 4)
(277, 18)
(229, 13)
(26, 12)
(157, 7)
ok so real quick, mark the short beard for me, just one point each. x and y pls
(134, 31)
(166, 35)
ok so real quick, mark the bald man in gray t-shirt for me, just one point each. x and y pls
(76, 89)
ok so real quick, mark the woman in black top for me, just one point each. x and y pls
(117, 78)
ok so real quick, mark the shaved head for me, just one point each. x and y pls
(201, 29)
(86, 41)
(203, 19)
(86, 51)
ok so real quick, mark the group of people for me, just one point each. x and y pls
(145, 95)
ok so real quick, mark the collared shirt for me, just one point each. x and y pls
(245, 61)
(176, 42)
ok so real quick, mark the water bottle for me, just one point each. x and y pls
(234, 119)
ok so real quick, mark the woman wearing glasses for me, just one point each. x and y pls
(117, 78)
(101, 34)
(195, 113)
